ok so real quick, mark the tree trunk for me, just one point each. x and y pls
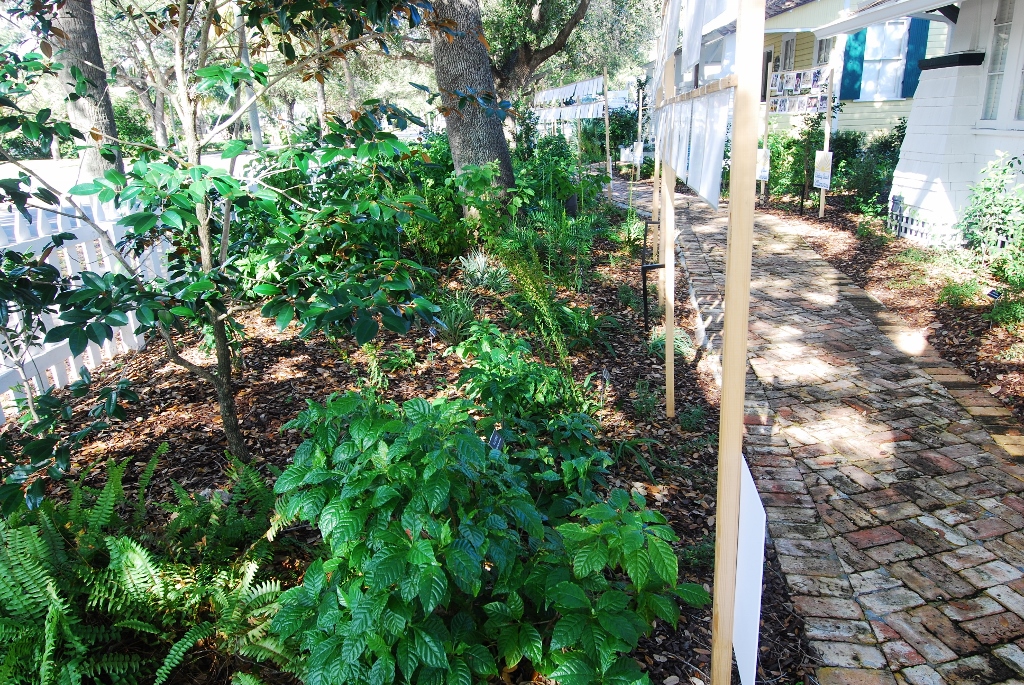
(81, 49)
(350, 85)
(462, 64)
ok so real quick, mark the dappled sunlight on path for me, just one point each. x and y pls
(891, 480)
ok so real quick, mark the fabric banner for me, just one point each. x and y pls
(681, 155)
(698, 134)
(719, 13)
(691, 23)
(589, 110)
(717, 128)
(691, 137)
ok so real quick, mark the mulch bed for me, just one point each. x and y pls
(281, 371)
(993, 356)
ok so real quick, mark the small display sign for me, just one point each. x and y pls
(763, 163)
(823, 170)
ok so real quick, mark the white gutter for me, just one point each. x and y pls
(877, 15)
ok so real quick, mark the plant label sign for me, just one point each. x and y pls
(764, 156)
(749, 570)
(823, 170)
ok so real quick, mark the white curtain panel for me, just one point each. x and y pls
(668, 40)
(681, 157)
(691, 23)
(717, 108)
(590, 87)
(698, 133)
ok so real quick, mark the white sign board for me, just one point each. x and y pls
(764, 156)
(749, 570)
(823, 170)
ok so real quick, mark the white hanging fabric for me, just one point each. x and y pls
(667, 41)
(691, 24)
(576, 91)
(716, 130)
(681, 159)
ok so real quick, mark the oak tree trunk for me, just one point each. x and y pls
(461, 63)
(81, 48)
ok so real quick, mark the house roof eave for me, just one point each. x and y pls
(877, 13)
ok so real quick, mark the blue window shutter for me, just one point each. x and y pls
(917, 45)
(853, 65)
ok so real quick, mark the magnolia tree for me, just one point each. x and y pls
(238, 238)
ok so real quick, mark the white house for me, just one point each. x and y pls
(968, 107)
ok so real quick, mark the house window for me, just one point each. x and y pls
(788, 54)
(823, 50)
(997, 59)
(885, 52)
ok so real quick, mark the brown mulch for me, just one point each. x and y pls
(281, 372)
(911, 289)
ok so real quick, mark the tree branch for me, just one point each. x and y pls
(549, 51)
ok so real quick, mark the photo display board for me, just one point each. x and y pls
(799, 92)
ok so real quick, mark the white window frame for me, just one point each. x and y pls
(829, 44)
(1013, 76)
(788, 52)
(899, 63)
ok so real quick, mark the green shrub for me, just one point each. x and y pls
(133, 124)
(447, 561)
(681, 341)
(1008, 266)
(959, 295)
(456, 315)
(1007, 312)
(512, 386)
(692, 418)
(88, 595)
(398, 359)
(995, 209)
(628, 297)
(481, 271)
(647, 167)
(645, 401)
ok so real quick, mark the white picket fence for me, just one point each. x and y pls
(52, 364)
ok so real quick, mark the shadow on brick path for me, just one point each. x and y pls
(891, 480)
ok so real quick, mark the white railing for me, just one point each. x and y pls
(52, 364)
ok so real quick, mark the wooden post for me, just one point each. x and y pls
(639, 130)
(607, 133)
(767, 110)
(828, 139)
(667, 228)
(749, 56)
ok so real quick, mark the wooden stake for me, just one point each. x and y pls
(828, 139)
(749, 55)
(607, 133)
(767, 111)
(639, 131)
(667, 228)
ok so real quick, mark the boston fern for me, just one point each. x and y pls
(448, 562)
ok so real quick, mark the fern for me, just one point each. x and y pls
(174, 658)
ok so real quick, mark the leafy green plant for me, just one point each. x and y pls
(645, 400)
(1007, 312)
(482, 271)
(914, 255)
(1008, 266)
(448, 561)
(513, 387)
(959, 294)
(700, 555)
(681, 341)
(375, 376)
(995, 209)
(692, 418)
(397, 359)
(85, 601)
(456, 316)
(628, 297)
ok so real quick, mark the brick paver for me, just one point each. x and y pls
(891, 480)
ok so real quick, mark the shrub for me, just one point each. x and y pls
(1008, 266)
(692, 418)
(645, 401)
(481, 271)
(455, 317)
(628, 297)
(513, 387)
(87, 598)
(398, 359)
(1007, 312)
(681, 341)
(447, 561)
(959, 295)
(995, 209)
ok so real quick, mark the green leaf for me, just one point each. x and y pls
(459, 673)
(574, 671)
(590, 559)
(638, 567)
(429, 649)
(531, 643)
(567, 631)
(567, 595)
(613, 601)
(233, 149)
(693, 594)
(284, 317)
(365, 328)
(78, 341)
(480, 660)
(266, 290)
(182, 311)
(383, 671)
(433, 586)
(663, 559)
(85, 189)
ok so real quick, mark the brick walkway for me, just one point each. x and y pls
(891, 480)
